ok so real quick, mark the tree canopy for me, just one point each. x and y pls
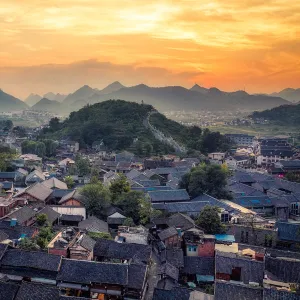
(210, 179)
(209, 220)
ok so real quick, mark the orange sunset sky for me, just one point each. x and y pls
(60, 45)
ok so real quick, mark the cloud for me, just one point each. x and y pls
(66, 78)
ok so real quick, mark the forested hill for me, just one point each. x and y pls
(282, 115)
(121, 126)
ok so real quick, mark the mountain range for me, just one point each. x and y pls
(292, 95)
(47, 105)
(32, 99)
(174, 98)
(162, 98)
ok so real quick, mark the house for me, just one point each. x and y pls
(282, 266)
(239, 266)
(7, 204)
(74, 198)
(176, 293)
(6, 187)
(168, 276)
(70, 220)
(234, 162)
(108, 250)
(225, 290)
(93, 224)
(65, 164)
(196, 243)
(199, 269)
(220, 156)
(34, 291)
(21, 176)
(8, 176)
(169, 196)
(288, 236)
(19, 264)
(24, 216)
(36, 194)
(241, 139)
(54, 183)
(174, 256)
(30, 161)
(181, 221)
(70, 210)
(288, 165)
(62, 241)
(83, 248)
(58, 194)
(34, 177)
(52, 215)
(170, 237)
(115, 220)
(102, 278)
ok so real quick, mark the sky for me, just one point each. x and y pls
(60, 45)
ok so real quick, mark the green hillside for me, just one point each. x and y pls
(121, 126)
(282, 115)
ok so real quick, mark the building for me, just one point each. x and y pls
(241, 139)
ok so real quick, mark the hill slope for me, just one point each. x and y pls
(177, 98)
(32, 99)
(289, 94)
(121, 126)
(47, 105)
(282, 115)
(10, 103)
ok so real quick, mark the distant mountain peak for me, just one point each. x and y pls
(197, 88)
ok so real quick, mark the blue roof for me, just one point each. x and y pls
(205, 278)
(288, 231)
(225, 238)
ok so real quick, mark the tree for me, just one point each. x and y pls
(209, 220)
(128, 222)
(293, 176)
(51, 147)
(69, 182)
(82, 165)
(28, 244)
(206, 178)
(44, 237)
(130, 203)
(146, 212)
(41, 219)
(118, 187)
(33, 147)
(148, 149)
(97, 199)
(6, 155)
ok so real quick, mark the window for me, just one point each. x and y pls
(295, 209)
(242, 236)
(247, 237)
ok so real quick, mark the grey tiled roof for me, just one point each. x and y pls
(31, 259)
(136, 276)
(51, 214)
(86, 272)
(113, 250)
(177, 293)
(23, 214)
(38, 191)
(252, 270)
(181, 221)
(175, 257)
(199, 265)
(288, 231)
(171, 231)
(93, 224)
(169, 270)
(71, 218)
(8, 290)
(87, 242)
(253, 201)
(53, 182)
(231, 291)
(285, 269)
(35, 291)
(171, 195)
(7, 175)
